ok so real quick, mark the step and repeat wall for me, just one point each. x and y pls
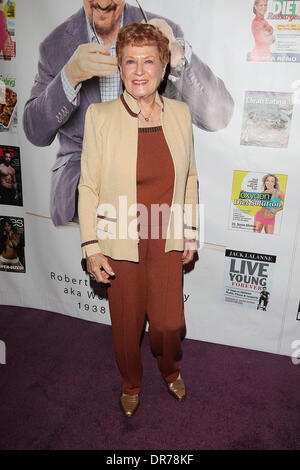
(243, 289)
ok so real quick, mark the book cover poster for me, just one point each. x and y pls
(257, 202)
(267, 119)
(7, 30)
(248, 278)
(8, 104)
(275, 28)
(10, 176)
(12, 244)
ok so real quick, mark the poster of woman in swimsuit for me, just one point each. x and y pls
(12, 244)
(257, 202)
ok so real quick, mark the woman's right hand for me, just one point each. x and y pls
(94, 265)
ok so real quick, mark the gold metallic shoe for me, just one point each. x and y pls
(129, 404)
(177, 388)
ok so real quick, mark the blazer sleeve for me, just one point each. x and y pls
(210, 102)
(48, 107)
(191, 202)
(89, 184)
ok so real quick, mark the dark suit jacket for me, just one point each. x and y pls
(48, 112)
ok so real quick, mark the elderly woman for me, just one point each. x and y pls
(138, 201)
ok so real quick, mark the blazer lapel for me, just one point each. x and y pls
(77, 28)
(132, 14)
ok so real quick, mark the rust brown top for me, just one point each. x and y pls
(155, 181)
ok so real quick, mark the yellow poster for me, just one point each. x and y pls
(257, 202)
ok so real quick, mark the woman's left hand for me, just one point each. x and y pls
(190, 248)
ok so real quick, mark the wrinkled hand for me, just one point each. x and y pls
(90, 60)
(163, 26)
(190, 248)
(94, 265)
(176, 51)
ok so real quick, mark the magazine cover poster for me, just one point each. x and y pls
(275, 29)
(8, 104)
(10, 176)
(7, 30)
(12, 243)
(257, 202)
(267, 119)
(248, 278)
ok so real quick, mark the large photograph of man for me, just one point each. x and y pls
(78, 66)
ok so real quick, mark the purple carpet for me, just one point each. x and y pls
(60, 386)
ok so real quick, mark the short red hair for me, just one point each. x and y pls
(143, 34)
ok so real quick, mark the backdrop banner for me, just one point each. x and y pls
(243, 290)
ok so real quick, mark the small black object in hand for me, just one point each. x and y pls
(83, 264)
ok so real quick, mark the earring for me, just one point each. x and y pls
(163, 75)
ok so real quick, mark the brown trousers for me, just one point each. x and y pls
(152, 286)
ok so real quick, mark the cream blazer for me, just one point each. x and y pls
(107, 188)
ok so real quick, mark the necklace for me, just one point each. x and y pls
(147, 118)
